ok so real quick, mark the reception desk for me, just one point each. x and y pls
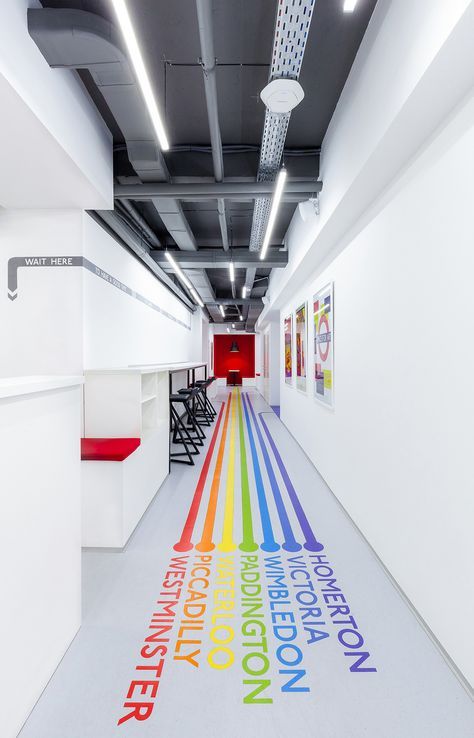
(40, 535)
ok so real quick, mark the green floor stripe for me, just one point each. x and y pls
(248, 544)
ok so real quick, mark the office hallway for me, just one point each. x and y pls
(247, 604)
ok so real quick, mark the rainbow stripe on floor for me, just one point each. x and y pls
(240, 429)
(249, 598)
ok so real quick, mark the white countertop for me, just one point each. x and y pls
(17, 386)
(148, 368)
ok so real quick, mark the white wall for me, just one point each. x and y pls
(66, 319)
(41, 330)
(120, 330)
(259, 378)
(204, 340)
(269, 382)
(397, 448)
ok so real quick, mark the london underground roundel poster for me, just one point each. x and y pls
(323, 319)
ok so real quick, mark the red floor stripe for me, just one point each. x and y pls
(184, 543)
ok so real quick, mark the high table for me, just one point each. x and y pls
(234, 372)
(188, 367)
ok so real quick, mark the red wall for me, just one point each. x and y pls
(244, 360)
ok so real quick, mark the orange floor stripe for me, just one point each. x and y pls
(206, 543)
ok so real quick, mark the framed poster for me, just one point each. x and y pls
(287, 328)
(323, 318)
(301, 347)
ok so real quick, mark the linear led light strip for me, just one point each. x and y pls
(125, 23)
(349, 6)
(196, 297)
(280, 184)
(231, 271)
(222, 311)
(181, 275)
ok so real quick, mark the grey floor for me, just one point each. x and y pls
(412, 693)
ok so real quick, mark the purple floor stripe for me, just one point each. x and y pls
(311, 544)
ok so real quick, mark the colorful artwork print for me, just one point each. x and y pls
(301, 347)
(323, 317)
(287, 329)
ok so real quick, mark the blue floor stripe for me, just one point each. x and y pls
(269, 543)
(290, 543)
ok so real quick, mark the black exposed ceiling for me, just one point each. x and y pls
(243, 36)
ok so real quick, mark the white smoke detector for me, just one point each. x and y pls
(282, 95)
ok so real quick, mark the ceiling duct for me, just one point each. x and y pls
(208, 62)
(123, 232)
(139, 221)
(292, 25)
(77, 39)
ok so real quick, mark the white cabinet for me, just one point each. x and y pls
(126, 403)
(40, 536)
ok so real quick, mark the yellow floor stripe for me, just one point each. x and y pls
(227, 543)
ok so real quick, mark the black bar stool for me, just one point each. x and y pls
(198, 407)
(181, 433)
(193, 403)
(209, 408)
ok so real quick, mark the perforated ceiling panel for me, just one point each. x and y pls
(291, 32)
(273, 142)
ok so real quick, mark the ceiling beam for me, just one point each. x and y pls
(289, 197)
(218, 259)
(236, 301)
(212, 190)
